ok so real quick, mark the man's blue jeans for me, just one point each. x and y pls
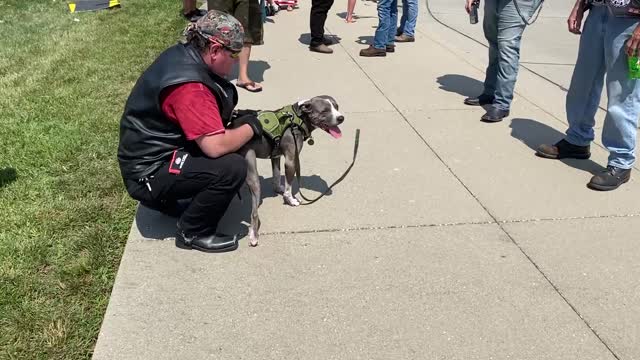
(602, 52)
(387, 21)
(503, 28)
(409, 17)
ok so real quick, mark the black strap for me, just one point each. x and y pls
(297, 163)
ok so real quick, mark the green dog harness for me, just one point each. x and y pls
(275, 123)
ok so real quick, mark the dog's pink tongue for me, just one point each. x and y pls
(335, 132)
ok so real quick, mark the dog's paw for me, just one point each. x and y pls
(253, 239)
(291, 200)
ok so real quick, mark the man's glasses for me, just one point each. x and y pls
(233, 53)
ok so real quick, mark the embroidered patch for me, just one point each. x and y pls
(620, 3)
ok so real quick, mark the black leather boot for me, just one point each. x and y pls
(610, 179)
(494, 115)
(562, 150)
(208, 243)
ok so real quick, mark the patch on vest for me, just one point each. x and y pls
(620, 3)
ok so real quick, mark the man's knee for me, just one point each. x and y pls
(509, 47)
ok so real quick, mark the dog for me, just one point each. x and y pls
(299, 119)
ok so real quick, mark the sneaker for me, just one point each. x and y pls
(610, 179)
(322, 49)
(562, 150)
(373, 52)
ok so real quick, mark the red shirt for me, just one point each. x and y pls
(194, 108)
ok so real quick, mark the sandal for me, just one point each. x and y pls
(250, 86)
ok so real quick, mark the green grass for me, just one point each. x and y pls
(64, 213)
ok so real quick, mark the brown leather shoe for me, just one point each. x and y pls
(391, 48)
(563, 150)
(405, 38)
(372, 52)
(322, 48)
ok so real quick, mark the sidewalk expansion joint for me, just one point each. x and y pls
(371, 228)
(594, 217)
(452, 224)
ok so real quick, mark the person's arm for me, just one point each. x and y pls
(467, 5)
(574, 22)
(195, 109)
(225, 143)
(632, 45)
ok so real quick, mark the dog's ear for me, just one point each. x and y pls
(306, 107)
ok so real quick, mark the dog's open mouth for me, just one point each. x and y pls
(333, 131)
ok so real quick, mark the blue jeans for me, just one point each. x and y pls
(503, 28)
(409, 17)
(387, 20)
(602, 52)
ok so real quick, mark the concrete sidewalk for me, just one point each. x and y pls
(448, 240)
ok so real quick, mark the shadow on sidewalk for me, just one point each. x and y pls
(343, 15)
(533, 134)
(7, 176)
(365, 40)
(154, 225)
(461, 84)
(256, 70)
(305, 38)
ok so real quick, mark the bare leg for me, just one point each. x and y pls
(243, 67)
(253, 181)
(351, 5)
(275, 165)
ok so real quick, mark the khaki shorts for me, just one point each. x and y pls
(249, 14)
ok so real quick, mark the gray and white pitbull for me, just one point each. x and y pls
(318, 112)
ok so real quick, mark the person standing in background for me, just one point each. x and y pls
(319, 10)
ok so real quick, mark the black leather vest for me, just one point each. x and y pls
(147, 136)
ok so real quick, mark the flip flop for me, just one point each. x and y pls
(251, 86)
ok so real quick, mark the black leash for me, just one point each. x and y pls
(297, 162)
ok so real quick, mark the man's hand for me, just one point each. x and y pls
(574, 22)
(631, 47)
(253, 122)
(468, 4)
